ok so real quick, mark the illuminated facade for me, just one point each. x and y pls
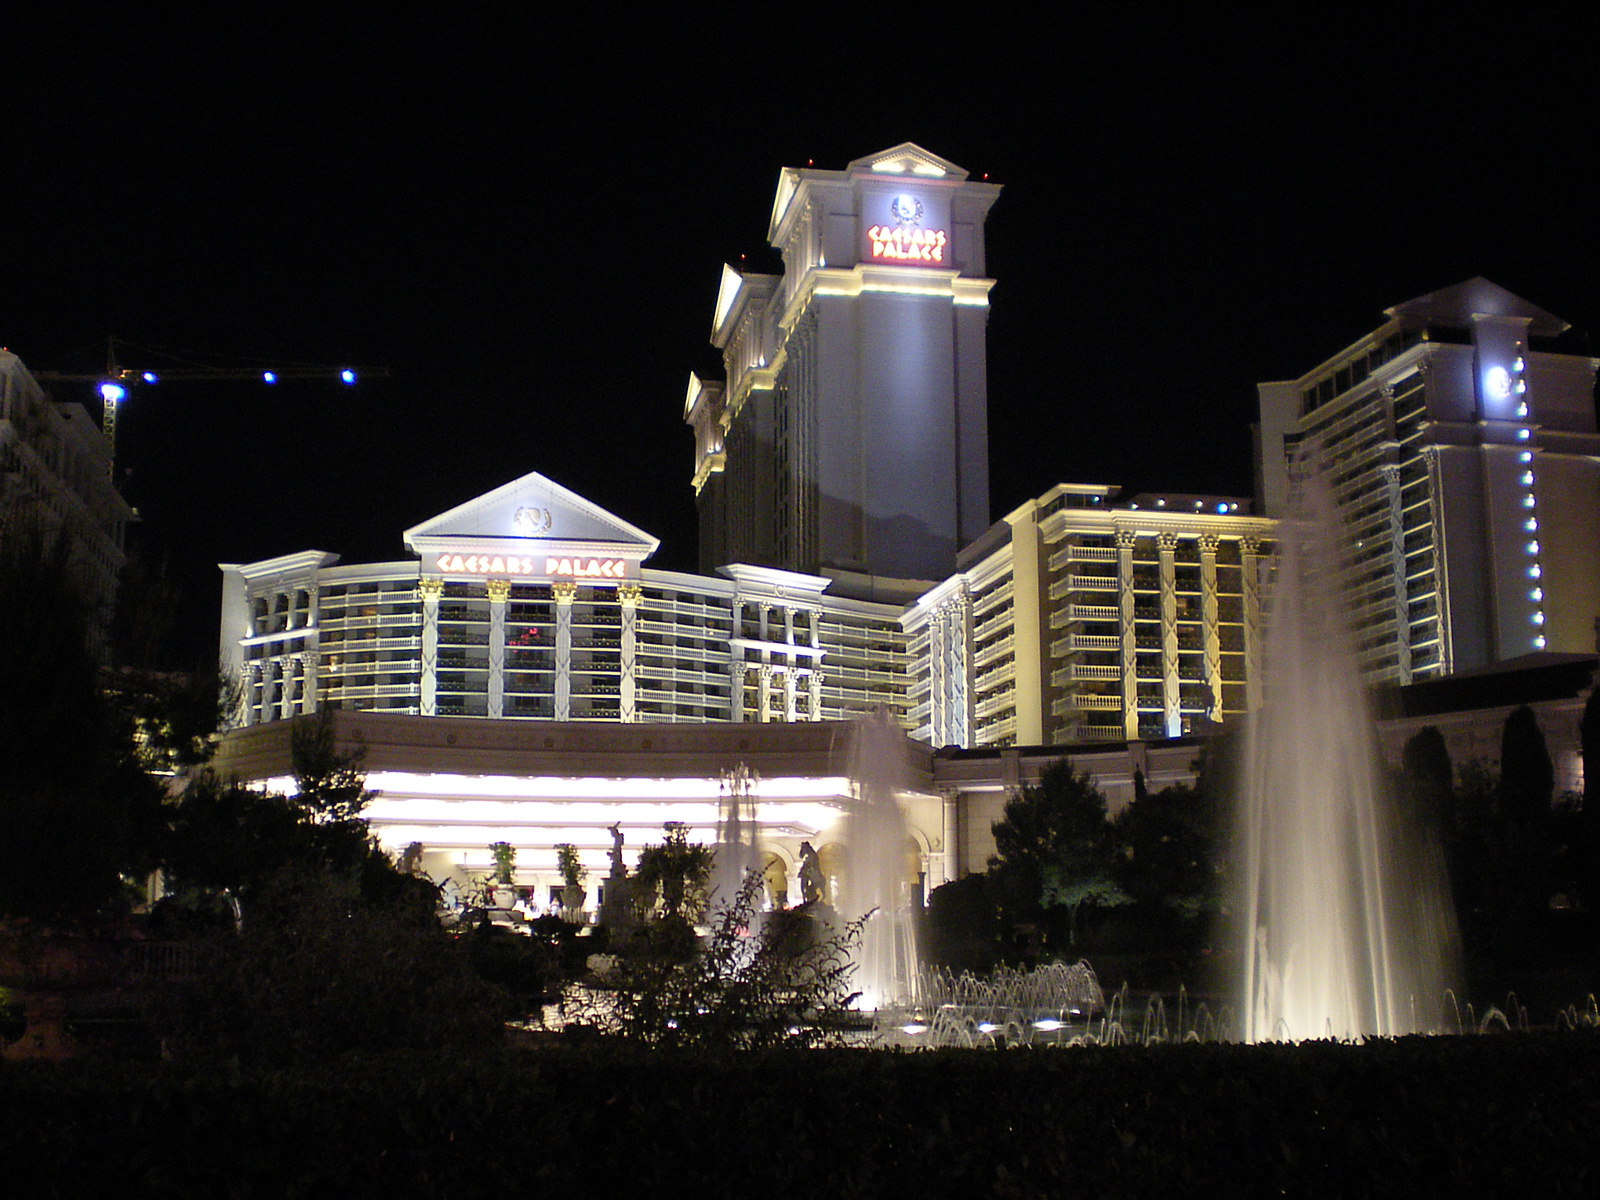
(454, 786)
(531, 602)
(1467, 466)
(55, 473)
(850, 436)
(1079, 619)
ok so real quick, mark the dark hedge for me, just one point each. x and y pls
(1417, 1117)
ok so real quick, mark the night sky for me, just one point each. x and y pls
(526, 226)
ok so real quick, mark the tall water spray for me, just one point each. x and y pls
(874, 879)
(737, 834)
(1347, 928)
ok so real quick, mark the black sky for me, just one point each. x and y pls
(524, 218)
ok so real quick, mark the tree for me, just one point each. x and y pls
(1527, 777)
(1171, 843)
(226, 838)
(505, 861)
(1428, 777)
(670, 880)
(1054, 848)
(77, 810)
(329, 786)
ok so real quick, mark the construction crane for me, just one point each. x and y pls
(115, 382)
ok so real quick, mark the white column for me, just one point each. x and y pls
(1166, 549)
(430, 590)
(289, 693)
(1129, 630)
(816, 666)
(629, 595)
(564, 594)
(1250, 580)
(269, 690)
(961, 669)
(764, 692)
(1211, 632)
(499, 593)
(952, 837)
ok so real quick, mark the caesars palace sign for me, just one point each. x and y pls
(905, 240)
(505, 566)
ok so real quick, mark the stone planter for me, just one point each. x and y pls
(45, 970)
(572, 899)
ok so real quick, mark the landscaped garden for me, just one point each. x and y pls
(294, 1018)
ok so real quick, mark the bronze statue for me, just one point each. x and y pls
(813, 884)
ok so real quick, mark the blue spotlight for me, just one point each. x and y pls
(150, 377)
(347, 375)
(113, 393)
(269, 377)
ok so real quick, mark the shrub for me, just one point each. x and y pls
(318, 971)
(761, 980)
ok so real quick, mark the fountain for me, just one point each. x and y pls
(874, 882)
(737, 834)
(1346, 926)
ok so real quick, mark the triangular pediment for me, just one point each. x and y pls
(908, 158)
(1456, 306)
(532, 510)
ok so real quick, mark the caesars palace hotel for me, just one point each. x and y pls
(524, 675)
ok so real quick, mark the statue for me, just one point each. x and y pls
(616, 906)
(813, 884)
(618, 870)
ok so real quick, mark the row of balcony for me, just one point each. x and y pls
(1070, 554)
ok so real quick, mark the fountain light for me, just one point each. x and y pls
(987, 1027)
(1048, 1024)
(914, 1028)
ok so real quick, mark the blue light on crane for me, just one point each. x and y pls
(269, 377)
(113, 393)
(347, 375)
(151, 377)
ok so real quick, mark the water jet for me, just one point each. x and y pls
(1346, 928)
